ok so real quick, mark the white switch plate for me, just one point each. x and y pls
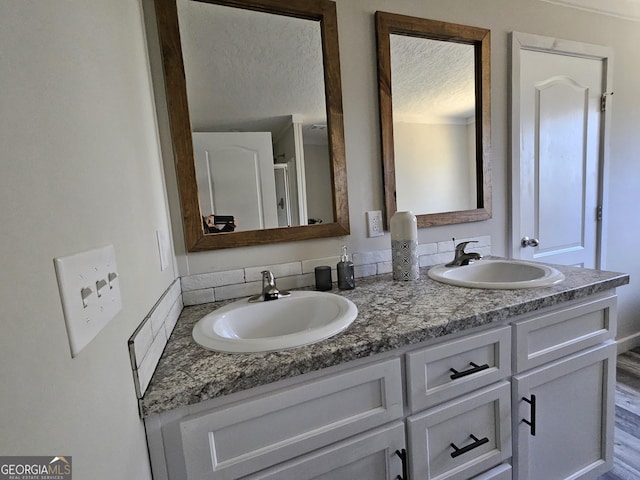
(374, 223)
(81, 277)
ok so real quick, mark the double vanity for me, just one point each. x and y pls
(430, 381)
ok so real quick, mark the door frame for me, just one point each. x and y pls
(526, 41)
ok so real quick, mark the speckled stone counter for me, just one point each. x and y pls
(390, 315)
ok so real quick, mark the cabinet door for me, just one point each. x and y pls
(563, 417)
(371, 456)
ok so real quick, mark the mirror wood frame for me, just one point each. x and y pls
(480, 39)
(323, 11)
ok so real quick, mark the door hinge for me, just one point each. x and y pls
(603, 101)
(599, 213)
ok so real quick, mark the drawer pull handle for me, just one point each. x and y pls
(403, 457)
(475, 369)
(476, 443)
(532, 422)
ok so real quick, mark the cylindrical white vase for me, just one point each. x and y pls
(404, 246)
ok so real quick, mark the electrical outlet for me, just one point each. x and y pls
(374, 223)
(90, 292)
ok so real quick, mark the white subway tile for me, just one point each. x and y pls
(142, 342)
(197, 297)
(385, 267)
(253, 274)
(150, 362)
(297, 281)
(449, 245)
(228, 292)
(308, 266)
(172, 317)
(435, 259)
(366, 258)
(427, 249)
(366, 270)
(211, 280)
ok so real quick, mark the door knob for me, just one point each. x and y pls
(529, 242)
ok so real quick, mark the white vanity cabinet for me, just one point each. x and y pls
(528, 399)
(563, 408)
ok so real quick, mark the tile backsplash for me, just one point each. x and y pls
(148, 341)
(242, 282)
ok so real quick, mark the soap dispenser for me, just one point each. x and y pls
(346, 277)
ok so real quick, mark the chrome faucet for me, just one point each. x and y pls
(462, 257)
(269, 289)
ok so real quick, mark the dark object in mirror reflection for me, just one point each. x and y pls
(219, 223)
(313, 221)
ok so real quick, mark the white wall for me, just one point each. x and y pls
(360, 99)
(318, 177)
(79, 168)
(434, 167)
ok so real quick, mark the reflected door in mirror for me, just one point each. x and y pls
(235, 177)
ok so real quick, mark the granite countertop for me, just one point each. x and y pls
(390, 315)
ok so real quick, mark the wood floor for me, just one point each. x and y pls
(627, 430)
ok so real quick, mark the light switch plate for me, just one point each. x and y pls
(89, 287)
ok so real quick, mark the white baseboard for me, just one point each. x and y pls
(629, 342)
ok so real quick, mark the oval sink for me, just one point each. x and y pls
(301, 319)
(500, 274)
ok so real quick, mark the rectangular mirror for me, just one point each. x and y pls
(434, 92)
(255, 107)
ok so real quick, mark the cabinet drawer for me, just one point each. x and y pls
(480, 360)
(501, 472)
(248, 436)
(479, 426)
(563, 332)
(368, 456)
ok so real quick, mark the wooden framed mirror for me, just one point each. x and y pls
(260, 195)
(435, 99)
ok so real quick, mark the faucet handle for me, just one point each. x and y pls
(462, 245)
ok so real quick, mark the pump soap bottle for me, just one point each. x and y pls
(346, 278)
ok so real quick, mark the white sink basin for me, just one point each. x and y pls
(501, 274)
(301, 319)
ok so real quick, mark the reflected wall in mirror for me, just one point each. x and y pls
(255, 108)
(434, 96)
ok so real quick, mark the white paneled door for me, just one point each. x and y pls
(558, 125)
(235, 177)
